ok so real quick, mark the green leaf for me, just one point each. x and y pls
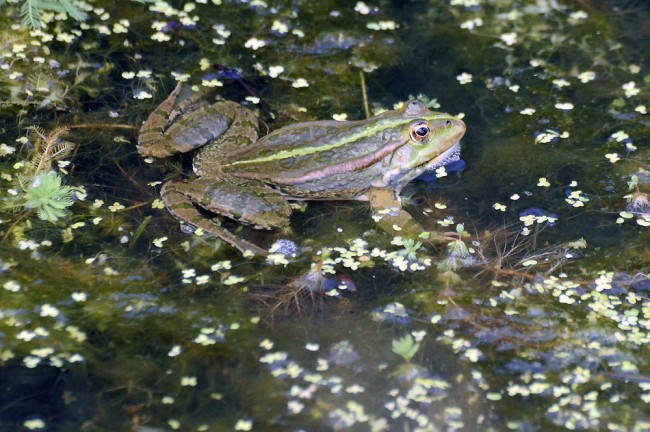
(138, 232)
(405, 347)
(48, 197)
(30, 11)
(68, 7)
(30, 14)
(458, 248)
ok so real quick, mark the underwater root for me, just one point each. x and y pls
(301, 295)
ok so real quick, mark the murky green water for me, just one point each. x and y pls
(112, 318)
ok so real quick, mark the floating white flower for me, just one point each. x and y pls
(202, 279)
(280, 27)
(79, 297)
(34, 424)
(244, 425)
(382, 25)
(47, 310)
(300, 83)
(578, 15)
(141, 94)
(12, 286)
(362, 8)
(158, 242)
(160, 37)
(509, 38)
(254, 43)
(561, 82)
(275, 71)
(464, 78)
(630, 89)
(188, 381)
(465, 3)
(471, 23)
(587, 76)
(565, 106)
(188, 273)
(620, 136)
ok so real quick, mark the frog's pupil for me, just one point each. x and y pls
(422, 131)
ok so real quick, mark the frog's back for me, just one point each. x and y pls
(322, 160)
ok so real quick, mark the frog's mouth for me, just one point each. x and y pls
(452, 154)
(396, 179)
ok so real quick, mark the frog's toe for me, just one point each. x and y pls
(441, 238)
(286, 230)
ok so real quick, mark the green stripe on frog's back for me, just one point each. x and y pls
(331, 160)
(307, 139)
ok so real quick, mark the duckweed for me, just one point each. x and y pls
(535, 317)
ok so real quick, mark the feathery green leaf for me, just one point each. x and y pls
(48, 197)
(30, 14)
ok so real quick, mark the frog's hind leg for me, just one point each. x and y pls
(241, 133)
(182, 208)
(260, 208)
(184, 122)
(153, 129)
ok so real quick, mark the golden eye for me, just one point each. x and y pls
(420, 132)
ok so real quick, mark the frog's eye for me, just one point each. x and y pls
(420, 132)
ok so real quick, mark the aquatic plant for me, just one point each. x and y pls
(30, 11)
(47, 149)
(458, 256)
(405, 347)
(48, 196)
(38, 187)
(637, 201)
(538, 344)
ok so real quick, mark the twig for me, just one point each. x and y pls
(364, 94)
(102, 125)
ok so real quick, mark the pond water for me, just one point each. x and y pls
(536, 317)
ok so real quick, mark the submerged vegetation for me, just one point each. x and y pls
(48, 197)
(37, 187)
(31, 10)
(535, 317)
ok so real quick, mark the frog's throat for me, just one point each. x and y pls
(397, 177)
(452, 154)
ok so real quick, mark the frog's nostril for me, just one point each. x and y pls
(448, 123)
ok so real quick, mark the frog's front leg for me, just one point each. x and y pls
(397, 221)
(253, 204)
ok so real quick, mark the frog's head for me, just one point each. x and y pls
(432, 139)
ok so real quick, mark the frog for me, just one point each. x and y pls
(253, 180)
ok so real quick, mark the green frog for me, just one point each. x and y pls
(251, 180)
